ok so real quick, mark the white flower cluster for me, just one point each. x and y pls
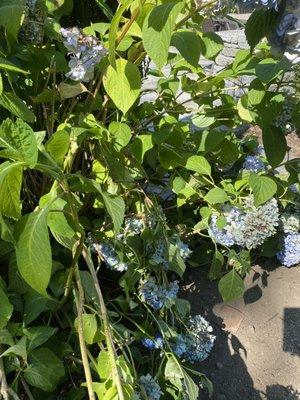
(85, 53)
(290, 221)
(248, 227)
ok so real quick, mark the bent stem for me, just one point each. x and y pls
(107, 330)
(4, 389)
(83, 349)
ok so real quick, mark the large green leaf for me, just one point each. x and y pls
(10, 188)
(263, 188)
(198, 164)
(123, 84)
(44, 370)
(6, 308)
(115, 206)
(11, 15)
(211, 45)
(189, 46)
(16, 106)
(275, 144)
(90, 327)
(260, 24)
(38, 335)
(157, 31)
(216, 195)
(121, 134)
(231, 286)
(8, 66)
(58, 145)
(19, 142)
(33, 251)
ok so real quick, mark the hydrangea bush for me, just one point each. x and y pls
(111, 189)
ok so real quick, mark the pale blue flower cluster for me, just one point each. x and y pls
(157, 295)
(254, 163)
(156, 343)
(290, 221)
(290, 253)
(134, 225)
(150, 387)
(196, 345)
(262, 3)
(85, 53)
(248, 227)
(160, 255)
(109, 256)
(165, 193)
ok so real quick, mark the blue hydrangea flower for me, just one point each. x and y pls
(262, 3)
(150, 387)
(109, 256)
(294, 188)
(156, 343)
(157, 295)
(290, 253)
(160, 255)
(85, 53)
(195, 345)
(134, 225)
(253, 163)
(184, 250)
(248, 227)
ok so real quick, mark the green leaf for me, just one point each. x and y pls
(189, 46)
(8, 66)
(176, 261)
(216, 195)
(67, 91)
(53, 5)
(140, 145)
(263, 188)
(173, 369)
(6, 308)
(44, 370)
(157, 31)
(11, 15)
(35, 304)
(269, 69)
(211, 45)
(19, 142)
(33, 251)
(16, 106)
(10, 188)
(115, 206)
(231, 286)
(215, 270)
(18, 349)
(90, 327)
(256, 92)
(58, 145)
(38, 335)
(198, 164)
(275, 144)
(123, 84)
(260, 24)
(121, 134)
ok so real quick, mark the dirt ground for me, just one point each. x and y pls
(256, 355)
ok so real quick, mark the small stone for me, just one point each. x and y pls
(219, 365)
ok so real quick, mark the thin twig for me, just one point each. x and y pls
(26, 388)
(107, 330)
(4, 389)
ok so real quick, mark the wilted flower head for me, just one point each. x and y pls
(85, 53)
(290, 221)
(289, 255)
